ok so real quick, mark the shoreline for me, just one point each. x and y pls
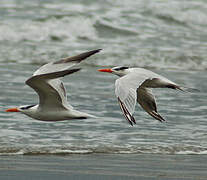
(104, 166)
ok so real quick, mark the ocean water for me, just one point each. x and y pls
(167, 37)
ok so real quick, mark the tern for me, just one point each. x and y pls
(53, 104)
(134, 85)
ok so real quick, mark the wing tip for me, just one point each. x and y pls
(78, 58)
(89, 53)
(126, 113)
(189, 90)
(157, 116)
(97, 50)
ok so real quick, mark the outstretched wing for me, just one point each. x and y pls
(50, 89)
(125, 90)
(141, 79)
(145, 97)
(126, 113)
(46, 80)
(64, 63)
(147, 101)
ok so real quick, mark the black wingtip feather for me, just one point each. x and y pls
(78, 58)
(126, 113)
(156, 116)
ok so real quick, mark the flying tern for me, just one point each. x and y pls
(134, 85)
(53, 104)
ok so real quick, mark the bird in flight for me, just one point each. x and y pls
(134, 85)
(53, 104)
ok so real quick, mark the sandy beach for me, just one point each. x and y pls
(104, 166)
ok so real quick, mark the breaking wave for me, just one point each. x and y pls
(103, 149)
(154, 34)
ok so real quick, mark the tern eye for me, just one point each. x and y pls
(121, 68)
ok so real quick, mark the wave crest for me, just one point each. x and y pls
(104, 150)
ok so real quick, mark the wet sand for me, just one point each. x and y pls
(104, 166)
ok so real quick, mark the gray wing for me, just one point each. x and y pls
(135, 86)
(46, 80)
(125, 90)
(147, 101)
(50, 89)
(126, 112)
(64, 63)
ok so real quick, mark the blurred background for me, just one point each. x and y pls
(158, 34)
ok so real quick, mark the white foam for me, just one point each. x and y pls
(186, 152)
(68, 151)
(67, 28)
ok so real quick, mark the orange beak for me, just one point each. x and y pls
(12, 110)
(105, 70)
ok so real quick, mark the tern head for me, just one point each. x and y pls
(119, 70)
(28, 109)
